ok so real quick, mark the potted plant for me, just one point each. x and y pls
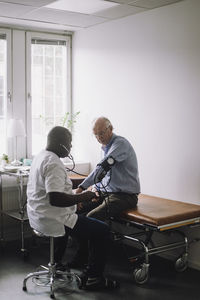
(4, 160)
(68, 119)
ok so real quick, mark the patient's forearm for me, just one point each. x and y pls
(66, 200)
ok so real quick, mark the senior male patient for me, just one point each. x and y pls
(52, 208)
(121, 184)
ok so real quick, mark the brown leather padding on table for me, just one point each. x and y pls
(160, 211)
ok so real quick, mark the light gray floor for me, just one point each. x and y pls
(164, 284)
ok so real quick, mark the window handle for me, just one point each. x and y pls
(9, 97)
(29, 97)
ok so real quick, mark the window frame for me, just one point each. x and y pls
(9, 85)
(43, 36)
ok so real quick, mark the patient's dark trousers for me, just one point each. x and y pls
(98, 236)
(110, 206)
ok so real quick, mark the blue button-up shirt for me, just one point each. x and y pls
(123, 176)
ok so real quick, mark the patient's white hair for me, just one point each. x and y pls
(105, 120)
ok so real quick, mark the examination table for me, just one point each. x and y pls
(164, 216)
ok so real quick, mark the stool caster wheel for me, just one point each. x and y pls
(24, 254)
(24, 288)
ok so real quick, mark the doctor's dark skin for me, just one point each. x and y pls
(62, 136)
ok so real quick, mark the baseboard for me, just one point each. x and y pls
(191, 263)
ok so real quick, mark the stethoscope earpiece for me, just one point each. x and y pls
(63, 146)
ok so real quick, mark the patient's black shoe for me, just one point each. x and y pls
(99, 283)
(62, 267)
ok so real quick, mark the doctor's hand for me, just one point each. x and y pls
(88, 196)
(97, 198)
(78, 190)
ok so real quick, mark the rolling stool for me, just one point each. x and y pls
(49, 276)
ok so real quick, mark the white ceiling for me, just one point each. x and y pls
(71, 15)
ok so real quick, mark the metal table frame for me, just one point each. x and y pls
(17, 214)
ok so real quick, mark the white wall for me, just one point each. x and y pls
(143, 72)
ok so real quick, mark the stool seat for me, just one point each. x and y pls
(38, 233)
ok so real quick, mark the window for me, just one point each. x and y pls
(4, 84)
(35, 86)
(49, 87)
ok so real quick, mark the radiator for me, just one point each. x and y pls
(10, 192)
(11, 228)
